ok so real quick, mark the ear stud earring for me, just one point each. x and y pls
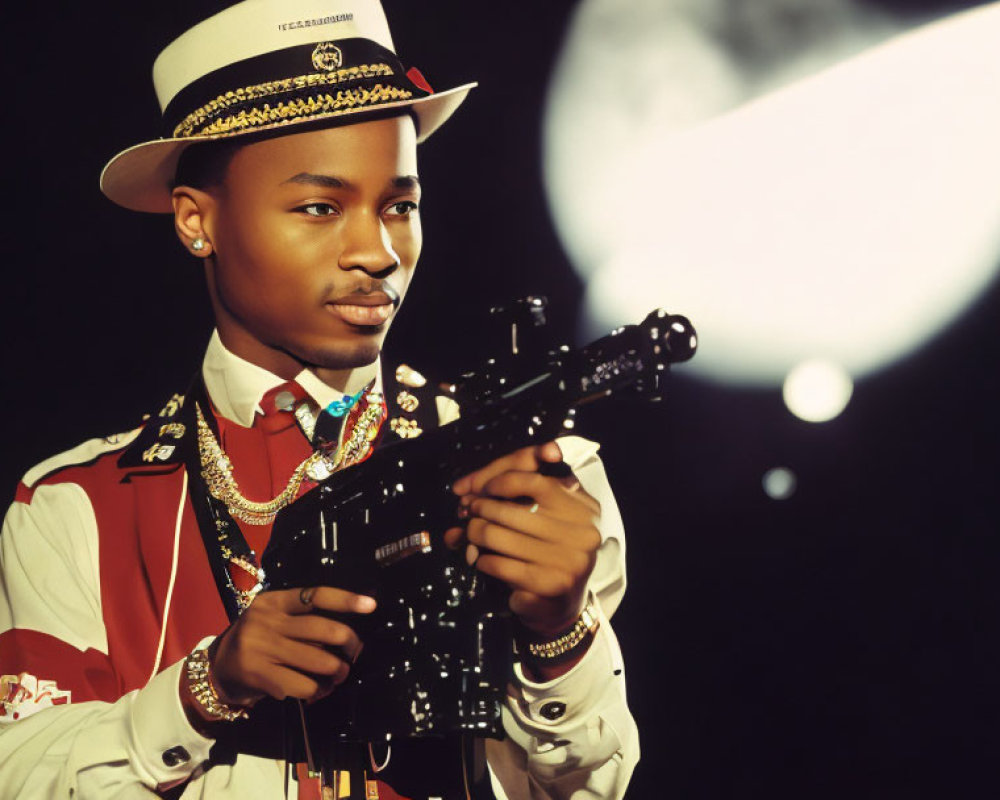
(198, 244)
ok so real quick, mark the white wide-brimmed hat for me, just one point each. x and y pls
(265, 65)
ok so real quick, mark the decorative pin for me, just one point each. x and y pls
(405, 428)
(158, 452)
(175, 430)
(340, 407)
(174, 404)
(407, 401)
(408, 376)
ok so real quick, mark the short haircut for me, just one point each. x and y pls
(204, 165)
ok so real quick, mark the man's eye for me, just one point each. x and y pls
(401, 209)
(318, 210)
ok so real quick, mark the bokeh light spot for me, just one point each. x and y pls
(817, 390)
(779, 483)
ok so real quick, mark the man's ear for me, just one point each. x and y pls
(193, 209)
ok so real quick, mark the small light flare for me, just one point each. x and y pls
(779, 483)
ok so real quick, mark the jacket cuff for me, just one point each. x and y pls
(161, 740)
(556, 706)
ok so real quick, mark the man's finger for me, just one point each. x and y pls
(324, 598)
(492, 538)
(533, 520)
(307, 658)
(282, 682)
(542, 580)
(313, 628)
(552, 494)
(526, 459)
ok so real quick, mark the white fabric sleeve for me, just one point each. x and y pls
(128, 748)
(574, 737)
(50, 586)
(49, 568)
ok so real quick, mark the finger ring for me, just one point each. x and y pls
(533, 509)
(306, 596)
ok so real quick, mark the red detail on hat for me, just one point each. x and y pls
(417, 78)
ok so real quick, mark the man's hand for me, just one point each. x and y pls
(535, 532)
(280, 646)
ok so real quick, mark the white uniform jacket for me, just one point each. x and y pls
(105, 587)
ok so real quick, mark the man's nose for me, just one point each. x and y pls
(368, 247)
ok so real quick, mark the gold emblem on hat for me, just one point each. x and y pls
(327, 57)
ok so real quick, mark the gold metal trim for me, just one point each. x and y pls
(405, 428)
(158, 452)
(345, 100)
(586, 625)
(201, 115)
(173, 429)
(408, 402)
(174, 404)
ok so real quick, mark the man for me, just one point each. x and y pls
(131, 630)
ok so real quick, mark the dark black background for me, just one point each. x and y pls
(840, 643)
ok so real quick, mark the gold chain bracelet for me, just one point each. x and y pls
(585, 626)
(199, 678)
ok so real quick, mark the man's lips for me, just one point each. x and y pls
(363, 309)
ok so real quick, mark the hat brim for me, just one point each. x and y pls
(140, 177)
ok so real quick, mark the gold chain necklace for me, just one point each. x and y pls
(217, 469)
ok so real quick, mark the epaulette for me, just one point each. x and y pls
(160, 443)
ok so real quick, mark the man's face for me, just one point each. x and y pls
(315, 237)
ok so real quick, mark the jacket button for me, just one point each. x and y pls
(552, 710)
(176, 755)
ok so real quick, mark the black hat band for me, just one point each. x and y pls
(347, 76)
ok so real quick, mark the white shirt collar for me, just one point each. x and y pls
(236, 386)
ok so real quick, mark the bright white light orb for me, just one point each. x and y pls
(850, 215)
(779, 483)
(817, 390)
